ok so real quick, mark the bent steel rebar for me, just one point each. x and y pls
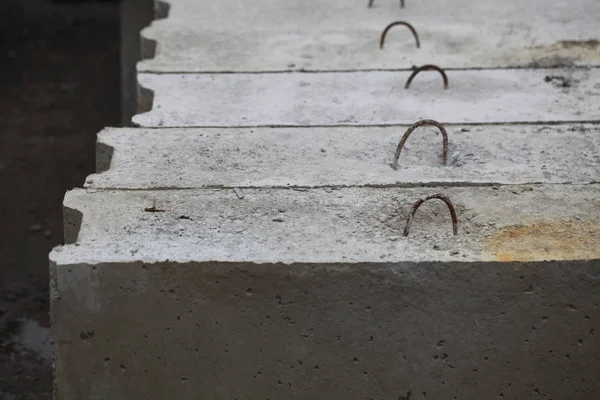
(371, 3)
(428, 67)
(418, 203)
(411, 129)
(390, 26)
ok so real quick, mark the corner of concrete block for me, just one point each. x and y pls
(145, 99)
(54, 297)
(135, 15)
(52, 284)
(148, 43)
(104, 153)
(72, 219)
(148, 46)
(161, 9)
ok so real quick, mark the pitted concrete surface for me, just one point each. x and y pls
(193, 271)
(310, 13)
(371, 98)
(344, 35)
(379, 330)
(348, 156)
(327, 225)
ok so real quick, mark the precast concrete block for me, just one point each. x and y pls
(134, 15)
(371, 98)
(296, 294)
(175, 158)
(341, 35)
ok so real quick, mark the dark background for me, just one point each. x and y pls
(59, 80)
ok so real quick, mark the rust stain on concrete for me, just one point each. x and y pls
(567, 240)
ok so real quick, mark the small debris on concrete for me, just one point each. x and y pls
(558, 81)
(238, 193)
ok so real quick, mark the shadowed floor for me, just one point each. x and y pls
(60, 86)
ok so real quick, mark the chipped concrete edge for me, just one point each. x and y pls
(148, 50)
(105, 149)
(135, 15)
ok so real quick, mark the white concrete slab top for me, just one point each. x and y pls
(349, 156)
(525, 223)
(237, 36)
(371, 98)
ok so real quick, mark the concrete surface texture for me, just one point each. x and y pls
(522, 222)
(333, 331)
(287, 293)
(249, 239)
(371, 98)
(144, 158)
(235, 36)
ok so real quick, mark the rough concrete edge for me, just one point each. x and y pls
(148, 46)
(147, 41)
(408, 269)
(54, 295)
(135, 15)
(161, 9)
(145, 101)
(72, 219)
(104, 150)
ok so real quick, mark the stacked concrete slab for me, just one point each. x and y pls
(256, 235)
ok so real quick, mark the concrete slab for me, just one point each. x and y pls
(139, 331)
(371, 98)
(287, 294)
(324, 225)
(233, 36)
(350, 156)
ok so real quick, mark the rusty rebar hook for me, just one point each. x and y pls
(411, 129)
(371, 3)
(390, 26)
(418, 203)
(427, 68)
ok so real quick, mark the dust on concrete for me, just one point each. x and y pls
(60, 80)
(586, 44)
(554, 61)
(564, 54)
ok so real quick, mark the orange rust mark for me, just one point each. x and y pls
(566, 240)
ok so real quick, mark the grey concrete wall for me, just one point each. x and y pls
(457, 330)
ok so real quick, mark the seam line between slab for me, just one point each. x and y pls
(317, 71)
(578, 122)
(302, 188)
